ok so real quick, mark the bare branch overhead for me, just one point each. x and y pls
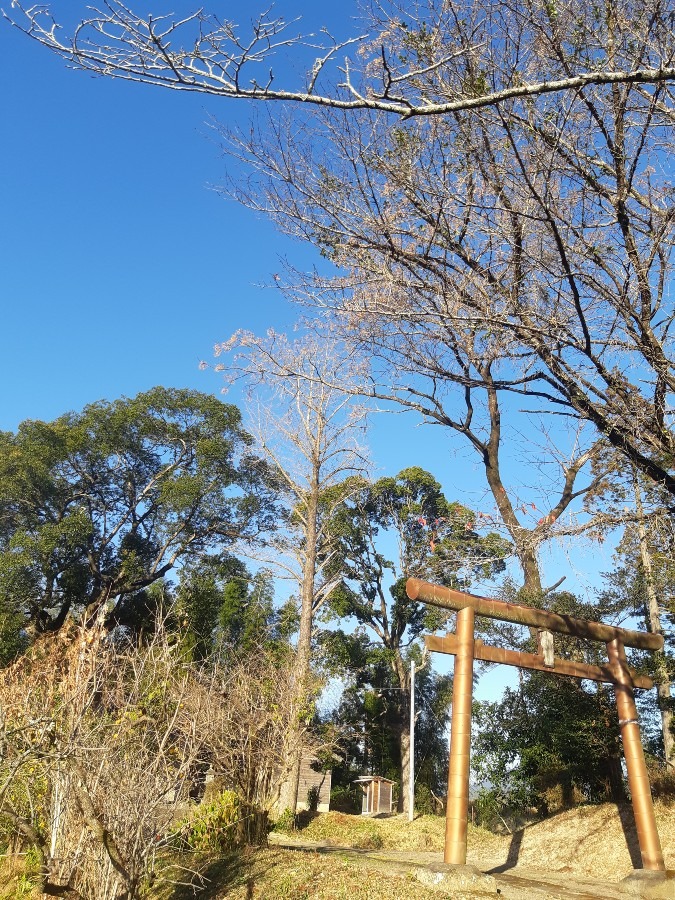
(412, 60)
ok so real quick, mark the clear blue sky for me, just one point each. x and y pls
(120, 267)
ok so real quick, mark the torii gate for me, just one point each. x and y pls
(465, 649)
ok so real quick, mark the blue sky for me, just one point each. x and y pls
(120, 266)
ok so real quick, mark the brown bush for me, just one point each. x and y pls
(103, 745)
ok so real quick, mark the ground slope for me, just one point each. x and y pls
(594, 841)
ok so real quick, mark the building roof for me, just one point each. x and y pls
(364, 779)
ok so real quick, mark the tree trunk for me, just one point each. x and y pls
(518, 534)
(403, 730)
(663, 686)
(289, 793)
(617, 789)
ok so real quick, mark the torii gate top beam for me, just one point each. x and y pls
(446, 598)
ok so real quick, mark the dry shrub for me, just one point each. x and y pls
(662, 780)
(248, 734)
(100, 744)
(104, 743)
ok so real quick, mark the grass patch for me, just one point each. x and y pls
(425, 833)
(17, 880)
(184, 876)
(586, 841)
(291, 875)
(340, 829)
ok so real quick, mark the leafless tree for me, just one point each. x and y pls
(517, 204)
(500, 205)
(522, 250)
(642, 578)
(101, 743)
(308, 425)
(249, 729)
(649, 557)
(410, 60)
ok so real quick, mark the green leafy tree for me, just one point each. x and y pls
(207, 590)
(97, 506)
(643, 584)
(368, 715)
(553, 740)
(434, 539)
(547, 744)
(226, 609)
(13, 638)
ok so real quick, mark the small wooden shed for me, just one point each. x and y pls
(377, 794)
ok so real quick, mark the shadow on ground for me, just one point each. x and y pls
(216, 877)
(304, 818)
(513, 854)
(627, 818)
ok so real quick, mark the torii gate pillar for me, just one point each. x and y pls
(636, 769)
(456, 821)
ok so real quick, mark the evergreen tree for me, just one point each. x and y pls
(227, 610)
(436, 539)
(98, 506)
(553, 740)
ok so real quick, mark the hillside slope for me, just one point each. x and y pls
(594, 841)
(597, 841)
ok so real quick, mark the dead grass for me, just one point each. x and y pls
(425, 833)
(292, 875)
(428, 833)
(15, 881)
(595, 841)
(341, 830)
(275, 875)
(598, 841)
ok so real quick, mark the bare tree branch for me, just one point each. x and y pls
(203, 54)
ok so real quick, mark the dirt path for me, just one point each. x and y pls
(515, 884)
